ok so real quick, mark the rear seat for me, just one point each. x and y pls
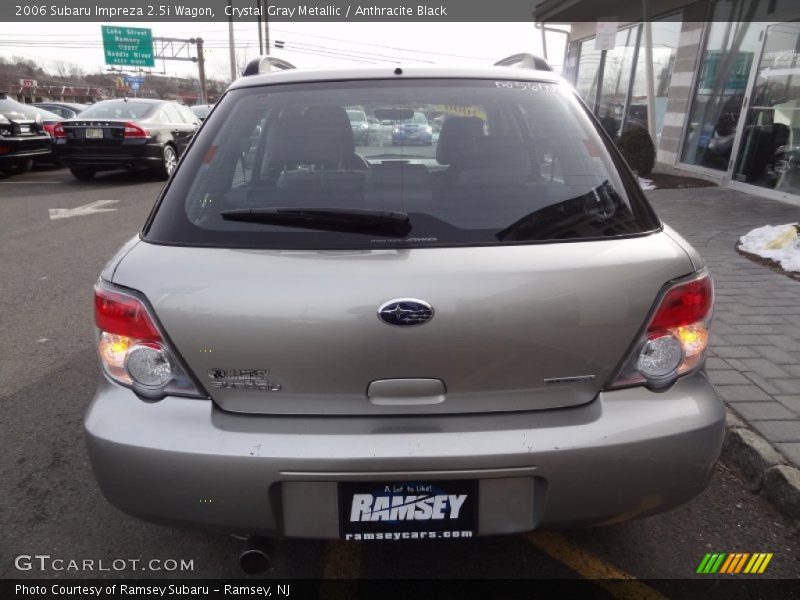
(312, 160)
(489, 179)
(390, 181)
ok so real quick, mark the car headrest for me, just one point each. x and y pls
(457, 134)
(321, 136)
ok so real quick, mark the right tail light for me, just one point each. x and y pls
(676, 337)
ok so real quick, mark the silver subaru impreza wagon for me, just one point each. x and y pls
(489, 334)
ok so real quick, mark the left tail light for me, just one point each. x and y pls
(132, 350)
(676, 337)
(58, 131)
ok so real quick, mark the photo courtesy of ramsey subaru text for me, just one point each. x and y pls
(327, 337)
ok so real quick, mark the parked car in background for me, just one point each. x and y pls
(201, 110)
(49, 122)
(414, 130)
(331, 342)
(359, 125)
(49, 119)
(22, 136)
(66, 110)
(126, 134)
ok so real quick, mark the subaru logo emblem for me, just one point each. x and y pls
(405, 312)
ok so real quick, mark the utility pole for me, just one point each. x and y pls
(180, 49)
(201, 66)
(231, 45)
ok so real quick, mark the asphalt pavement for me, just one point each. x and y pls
(52, 249)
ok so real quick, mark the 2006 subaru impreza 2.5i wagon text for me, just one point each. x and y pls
(489, 335)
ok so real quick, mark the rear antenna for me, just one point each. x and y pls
(398, 71)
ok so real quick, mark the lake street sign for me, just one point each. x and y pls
(128, 46)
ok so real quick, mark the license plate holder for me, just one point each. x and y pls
(408, 510)
(94, 134)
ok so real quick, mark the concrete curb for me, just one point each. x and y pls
(766, 472)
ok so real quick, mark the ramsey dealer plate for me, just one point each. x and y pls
(94, 134)
(408, 510)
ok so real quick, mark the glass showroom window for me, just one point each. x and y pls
(588, 66)
(617, 80)
(666, 36)
(769, 154)
(721, 85)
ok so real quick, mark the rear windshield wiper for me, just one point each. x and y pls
(350, 220)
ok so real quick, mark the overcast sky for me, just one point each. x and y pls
(307, 45)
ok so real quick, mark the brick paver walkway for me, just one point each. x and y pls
(754, 360)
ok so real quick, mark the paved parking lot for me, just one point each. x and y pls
(49, 503)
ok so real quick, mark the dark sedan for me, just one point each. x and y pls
(22, 136)
(127, 133)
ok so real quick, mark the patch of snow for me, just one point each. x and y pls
(779, 243)
(646, 184)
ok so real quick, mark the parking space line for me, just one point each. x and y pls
(606, 576)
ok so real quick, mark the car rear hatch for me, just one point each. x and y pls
(523, 327)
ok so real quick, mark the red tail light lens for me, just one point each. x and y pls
(684, 305)
(58, 131)
(134, 131)
(123, 315)
(676, 338)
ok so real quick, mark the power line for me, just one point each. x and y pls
(396, 48)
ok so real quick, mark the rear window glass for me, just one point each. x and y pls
(462, 162)
(118, 110)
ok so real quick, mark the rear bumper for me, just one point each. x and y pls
(629, 453)
(17, 149)
(126, 155)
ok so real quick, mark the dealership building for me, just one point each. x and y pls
(716, 82)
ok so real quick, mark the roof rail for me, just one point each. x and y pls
(524, 60)
(265, 64)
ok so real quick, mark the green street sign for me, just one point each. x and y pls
(128, 46)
